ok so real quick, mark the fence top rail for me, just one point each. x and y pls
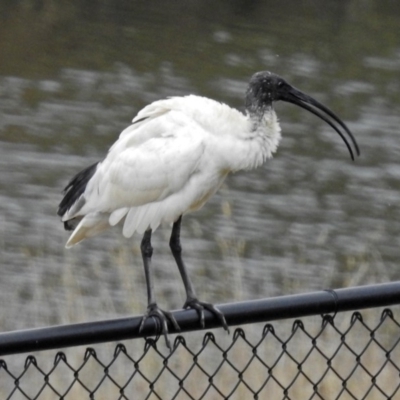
(264, 310)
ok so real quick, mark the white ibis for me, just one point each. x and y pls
(170, 161)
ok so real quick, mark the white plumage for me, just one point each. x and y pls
(173, 157)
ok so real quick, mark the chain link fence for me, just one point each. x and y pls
(357, 361)
(343, 356)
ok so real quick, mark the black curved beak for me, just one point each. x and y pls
(292, 95)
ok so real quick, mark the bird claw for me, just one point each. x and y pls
(162, 317)
(200, 306)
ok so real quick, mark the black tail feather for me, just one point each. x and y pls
(74, 190)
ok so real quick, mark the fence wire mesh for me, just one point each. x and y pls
(348, 359)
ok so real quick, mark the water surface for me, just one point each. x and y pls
(73, 76)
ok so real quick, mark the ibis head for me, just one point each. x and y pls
(266, 87)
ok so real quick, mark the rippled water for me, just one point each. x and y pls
(73, 76)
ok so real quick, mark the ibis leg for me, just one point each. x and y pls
(147, 252)
(152, 308)
(191, 298)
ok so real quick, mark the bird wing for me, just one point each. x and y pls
(152, 170)
(149, 163)
(168, 162)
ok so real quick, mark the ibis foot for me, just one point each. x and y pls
(200, 306)
(162, 317)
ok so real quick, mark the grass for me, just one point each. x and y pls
(83, 286)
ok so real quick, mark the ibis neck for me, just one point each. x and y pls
(253, 147)
(259, 115)
(266, 130)
(258, 105)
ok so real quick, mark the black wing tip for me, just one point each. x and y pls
(75, 188)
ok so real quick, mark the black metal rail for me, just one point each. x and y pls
(293, 306)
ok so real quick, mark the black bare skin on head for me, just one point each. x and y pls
(266, 87)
